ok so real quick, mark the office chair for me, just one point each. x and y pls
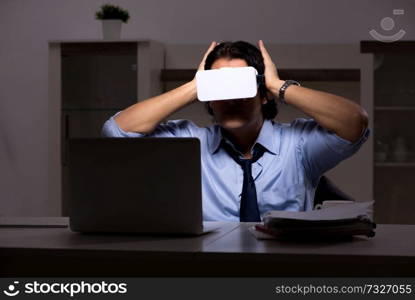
(327, 190)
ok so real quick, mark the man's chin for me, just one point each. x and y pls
(233, 123)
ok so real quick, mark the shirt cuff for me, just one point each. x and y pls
(343, 146)
(111, 129)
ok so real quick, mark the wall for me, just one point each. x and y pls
(26, 26)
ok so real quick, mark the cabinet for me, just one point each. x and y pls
(89, 81)
(394, 138)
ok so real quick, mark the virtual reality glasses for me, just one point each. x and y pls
(228, 83)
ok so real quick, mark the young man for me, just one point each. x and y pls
(251, 164)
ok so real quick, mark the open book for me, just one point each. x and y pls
(339, 221)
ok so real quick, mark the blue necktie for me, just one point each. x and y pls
(249, 211)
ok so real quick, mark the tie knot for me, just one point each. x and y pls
(245, 164)
(258, 151)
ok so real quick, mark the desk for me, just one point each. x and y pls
(230, 251)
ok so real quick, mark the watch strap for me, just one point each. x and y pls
(284, 87)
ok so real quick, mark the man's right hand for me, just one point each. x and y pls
(202, 64)
(145, 115)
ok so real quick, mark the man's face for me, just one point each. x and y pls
(236, 113)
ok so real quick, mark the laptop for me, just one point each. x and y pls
(135, 185)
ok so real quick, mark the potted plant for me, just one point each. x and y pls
(112, 17)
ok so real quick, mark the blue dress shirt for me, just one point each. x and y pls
(286, 176)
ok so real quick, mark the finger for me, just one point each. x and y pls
(211, 47)
(264, 51)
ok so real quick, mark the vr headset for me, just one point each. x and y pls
(228, 83)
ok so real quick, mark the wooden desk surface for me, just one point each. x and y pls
(230, 251)
(33, 239)
(390, 241)
(391, 252)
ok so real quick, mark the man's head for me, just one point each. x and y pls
(239, 112)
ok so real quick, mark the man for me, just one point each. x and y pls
(251, 164)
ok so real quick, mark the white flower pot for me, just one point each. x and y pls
(111, 29)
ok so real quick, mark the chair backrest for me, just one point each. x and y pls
(327, 190)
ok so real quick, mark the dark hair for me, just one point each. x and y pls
(253, 58)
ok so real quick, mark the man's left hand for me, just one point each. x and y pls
(272, 80)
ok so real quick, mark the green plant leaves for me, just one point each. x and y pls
(112, 12)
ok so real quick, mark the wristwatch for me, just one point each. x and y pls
(286, 84)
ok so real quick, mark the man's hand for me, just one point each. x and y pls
(272, 80)
(343, 116)
(202, 63)
(144, 116)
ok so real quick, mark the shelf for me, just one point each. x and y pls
(395, 165)
(381, 47)
(99, 41)
(103, 48)
(395, 108)
(297, 74)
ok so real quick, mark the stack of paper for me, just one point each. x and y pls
(342, 220)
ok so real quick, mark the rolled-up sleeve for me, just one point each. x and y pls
(173, 128)
(321, 149)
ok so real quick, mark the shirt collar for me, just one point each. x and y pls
(268, 137)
